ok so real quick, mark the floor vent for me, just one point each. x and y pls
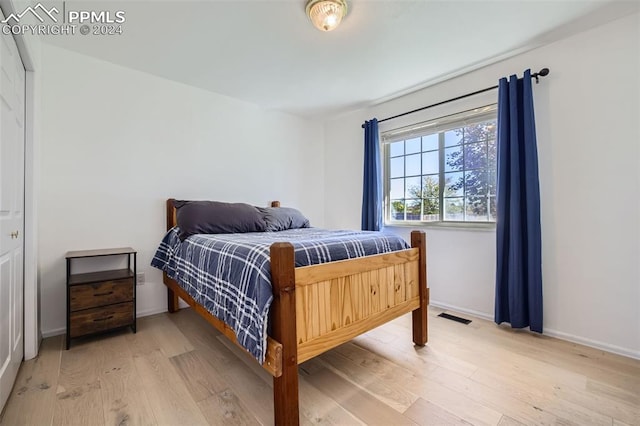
(454, 318)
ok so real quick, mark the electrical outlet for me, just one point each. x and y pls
(140, 278)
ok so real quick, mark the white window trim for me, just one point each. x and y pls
(438, 124)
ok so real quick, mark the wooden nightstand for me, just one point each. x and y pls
(100, 301)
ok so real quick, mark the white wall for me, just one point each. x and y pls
(587, 114)
(117, 143)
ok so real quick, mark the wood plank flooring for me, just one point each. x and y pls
(177, 370)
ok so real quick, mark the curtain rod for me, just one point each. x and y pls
(542, 73)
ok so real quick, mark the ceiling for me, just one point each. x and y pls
(268, 53)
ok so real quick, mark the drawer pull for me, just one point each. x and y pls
(103, 319)
(102, 294)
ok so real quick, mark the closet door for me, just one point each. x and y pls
(12, 112)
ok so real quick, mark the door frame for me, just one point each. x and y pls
(29, 50)
(31, 323)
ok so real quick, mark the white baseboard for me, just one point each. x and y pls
(151, 311)
(53, 332)
(630, 353)
(550, 332)
(477, 314)
(482, 315)
(139, 314)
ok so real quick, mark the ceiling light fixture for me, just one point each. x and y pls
(326, 14)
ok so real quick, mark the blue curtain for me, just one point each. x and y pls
(372, 181)
(519, 263)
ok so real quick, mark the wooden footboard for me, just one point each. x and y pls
(316, 308)
(338, 301)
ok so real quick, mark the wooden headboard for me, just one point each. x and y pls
(172, 219)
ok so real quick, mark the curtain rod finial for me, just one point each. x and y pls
(542, 73)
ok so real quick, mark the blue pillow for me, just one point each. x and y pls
(283, 218)
(214, 217)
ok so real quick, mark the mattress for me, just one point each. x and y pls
(230, 274)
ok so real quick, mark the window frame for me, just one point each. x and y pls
(439, 126)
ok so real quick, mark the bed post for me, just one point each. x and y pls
(172, 298)
(419, 316)
(283, 327)
(172, 220)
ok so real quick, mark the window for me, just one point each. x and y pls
(443, 170)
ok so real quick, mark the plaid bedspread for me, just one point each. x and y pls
(230, 274)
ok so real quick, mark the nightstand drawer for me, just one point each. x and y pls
(100, 319)
(99, 294)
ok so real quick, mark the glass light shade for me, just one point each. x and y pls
(326, 15)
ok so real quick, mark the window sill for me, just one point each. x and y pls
(467, 226)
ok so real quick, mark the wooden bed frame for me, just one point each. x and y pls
(316, 308)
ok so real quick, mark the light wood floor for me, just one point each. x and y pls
(178, 370)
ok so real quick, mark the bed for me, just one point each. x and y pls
(318, 307)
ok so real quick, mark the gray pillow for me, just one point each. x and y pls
(283, 218)
(214, 217)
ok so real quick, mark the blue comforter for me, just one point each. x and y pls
(230, 274)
